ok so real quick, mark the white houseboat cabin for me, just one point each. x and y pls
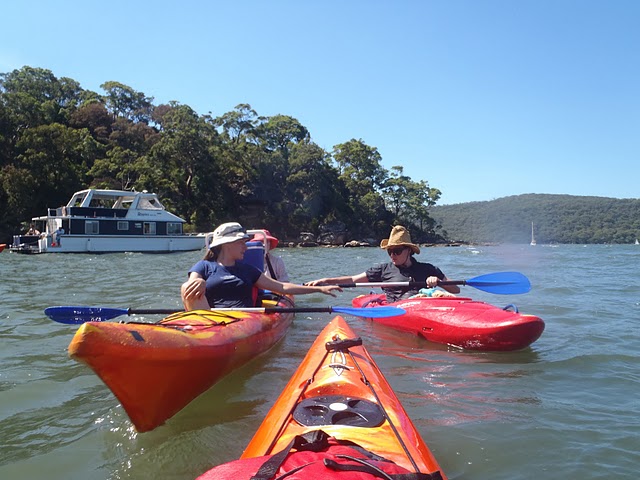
(109, 221)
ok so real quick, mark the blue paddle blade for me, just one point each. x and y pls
(505, 283)
(75, 315)
(377, 312)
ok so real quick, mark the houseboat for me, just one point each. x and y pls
(105, 221)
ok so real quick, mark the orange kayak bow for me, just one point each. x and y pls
(339, 396)
(156, 369)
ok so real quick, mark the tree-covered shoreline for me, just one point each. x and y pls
(57, 138)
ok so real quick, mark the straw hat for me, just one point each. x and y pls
(227, 233)
(399, 237)
(273, 241)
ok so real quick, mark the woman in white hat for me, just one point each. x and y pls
(402, 268)
(222, 280)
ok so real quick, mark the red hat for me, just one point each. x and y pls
(273, 241)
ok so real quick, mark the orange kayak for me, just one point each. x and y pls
(339, 395)
(156, 369)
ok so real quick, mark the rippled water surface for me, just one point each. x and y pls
(567, 407)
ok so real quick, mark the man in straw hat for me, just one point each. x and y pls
(402, 268)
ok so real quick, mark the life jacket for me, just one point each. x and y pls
(315, 455)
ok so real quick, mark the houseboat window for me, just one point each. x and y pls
(150, 204)
(149, 228)
(100, 203)
(77, 199)
(91, 227)
(174, 228)
(123, 226)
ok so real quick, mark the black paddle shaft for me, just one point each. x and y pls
(152, 311)
(401, 284)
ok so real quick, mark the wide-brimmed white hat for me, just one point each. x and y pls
(399, 237)
(227, 233)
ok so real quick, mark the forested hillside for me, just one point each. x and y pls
(556, 219)
(57, 138)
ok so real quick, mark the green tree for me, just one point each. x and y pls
(280, 132)
(409, 201)
(181, 167)
(361, 172)
(314, 190)
(238, 124)
(51, 164)
(34, 97)
(120, 169)
(123, 101)
(95, 117)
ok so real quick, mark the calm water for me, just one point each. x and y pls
(568, 407)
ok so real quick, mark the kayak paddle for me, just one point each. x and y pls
(505, 283)
(76, 315)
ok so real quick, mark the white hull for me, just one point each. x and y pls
(115, 243)
(104, 244)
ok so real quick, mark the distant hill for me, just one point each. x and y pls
(557, 219)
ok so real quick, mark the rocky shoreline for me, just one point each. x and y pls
(336, 236)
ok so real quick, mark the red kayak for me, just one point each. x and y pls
(337, 418)
(460, 322)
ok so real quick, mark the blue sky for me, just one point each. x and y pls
(480, 98)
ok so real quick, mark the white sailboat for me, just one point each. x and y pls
(637, 243)
(533, 238)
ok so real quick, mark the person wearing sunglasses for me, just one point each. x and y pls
(222, 280)
(403, 267)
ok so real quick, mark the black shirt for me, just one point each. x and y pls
(416, 272)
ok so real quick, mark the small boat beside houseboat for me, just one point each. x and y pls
(106, 221)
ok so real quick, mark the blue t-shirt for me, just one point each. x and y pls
(228, 287)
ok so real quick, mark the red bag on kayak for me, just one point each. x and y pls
(316, 456)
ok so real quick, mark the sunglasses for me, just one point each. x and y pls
(395, 251)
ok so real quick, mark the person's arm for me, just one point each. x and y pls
(359, 278)
(193, 293)
(267, 283)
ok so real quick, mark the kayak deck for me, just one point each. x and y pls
(156, 369)
(339, 389)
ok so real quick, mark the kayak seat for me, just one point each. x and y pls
(338, 410)
(375, 301)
